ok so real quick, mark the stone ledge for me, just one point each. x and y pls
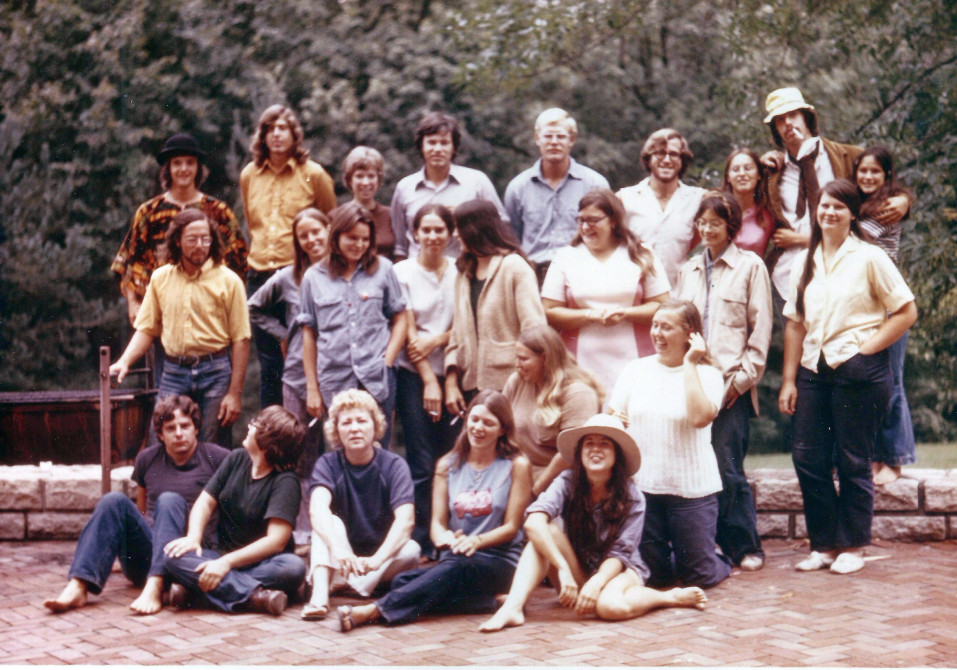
(55, 501)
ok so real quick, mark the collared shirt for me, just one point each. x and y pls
(414, 191)
(432, 301)
(271, 200)
(544, 218)
(282, 289)
(144, 248)
(195, 314)
(351, 319)
(670, 233)
(739, 309)
(845, 304)
(788, 187)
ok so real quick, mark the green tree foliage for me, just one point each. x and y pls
(90, 89)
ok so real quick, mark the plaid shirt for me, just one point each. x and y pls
(144, 248)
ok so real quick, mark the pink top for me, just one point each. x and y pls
(754, 234)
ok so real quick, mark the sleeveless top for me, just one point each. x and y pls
(477, 503)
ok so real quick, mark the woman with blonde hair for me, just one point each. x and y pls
(601, 292)
(360, 505)
(668, 402)
(549, 393)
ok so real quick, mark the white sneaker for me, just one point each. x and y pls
(848, 562)
(815, 561)
(752, 563)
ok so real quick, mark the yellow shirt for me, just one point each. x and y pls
(195, 315)
(271, 200)
(845, 304)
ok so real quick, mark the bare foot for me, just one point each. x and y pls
(504, 618)
(688, 597)
(887, 475)
(72, 596)
(150, 600)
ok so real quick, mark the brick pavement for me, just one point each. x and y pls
(900, 611)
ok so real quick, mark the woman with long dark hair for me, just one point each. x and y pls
(549, 393)
(480, 492)
(310, 239)
(601, 291)
(352, 316)
(746, 178)
(876, 182)
(837, 379)
(592, 555)
(496, 298)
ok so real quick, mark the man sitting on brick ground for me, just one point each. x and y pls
(168, 475)
(198, 307)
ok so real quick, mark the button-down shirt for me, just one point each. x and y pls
(414, 191)
(144, 249)
(282, 289)
(195, 314)
(845, 304)
(544, 218)
(271, 200)
(351, 319)
(789, 186)
(670, 233)
(739, 309)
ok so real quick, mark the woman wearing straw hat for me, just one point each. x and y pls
(592, 554)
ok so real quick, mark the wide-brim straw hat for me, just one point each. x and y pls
(601, 424)
(782, 101)
(180, 144)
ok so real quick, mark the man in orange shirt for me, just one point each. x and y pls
(279, 183)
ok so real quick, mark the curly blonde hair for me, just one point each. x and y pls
(352, 399)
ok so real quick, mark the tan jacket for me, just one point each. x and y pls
(508, 304)
(740, 315)
(842, 157)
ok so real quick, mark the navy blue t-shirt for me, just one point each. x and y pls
(156, 472)
(365, 497)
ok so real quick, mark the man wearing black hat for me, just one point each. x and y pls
(183, 171)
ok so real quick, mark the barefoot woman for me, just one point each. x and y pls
(594, 560)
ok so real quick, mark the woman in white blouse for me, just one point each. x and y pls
(837, 379)
(669, 401)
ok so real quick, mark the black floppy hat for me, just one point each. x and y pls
(180, 144)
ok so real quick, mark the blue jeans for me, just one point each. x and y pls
(895, 440)
(835, 423)
(206, 383)
(425, 442)
(280, 571)
(737, 520)
(678, 541)
(456, 584)
(117, 529)
(268, 350)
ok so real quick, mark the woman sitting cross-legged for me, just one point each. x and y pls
(480, 492)
(256, 492)
(592, 554)
(360, 505)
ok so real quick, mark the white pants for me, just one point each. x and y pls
(406, 558)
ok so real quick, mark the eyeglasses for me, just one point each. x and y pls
(591, 222)
(661, 155)
(199, 241)
(714, 225)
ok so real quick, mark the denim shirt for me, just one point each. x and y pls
(282, 288)
(351, 319)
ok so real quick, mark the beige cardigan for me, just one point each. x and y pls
(508, 304)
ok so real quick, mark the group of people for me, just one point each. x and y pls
(574, 390)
